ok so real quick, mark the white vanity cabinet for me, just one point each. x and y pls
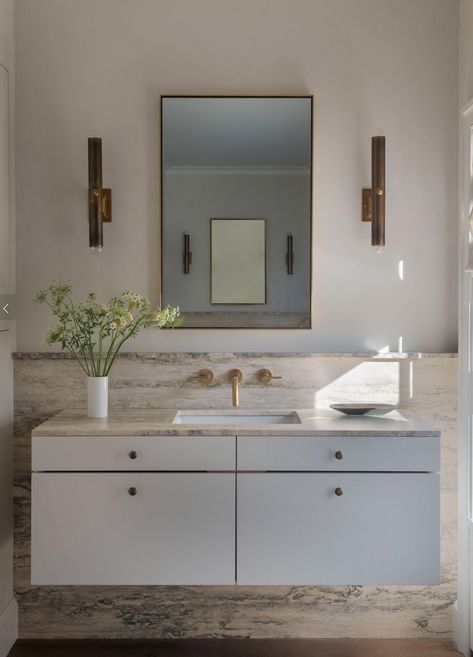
(293, 528)
(338, 510)
(262, 509)
(133, 527)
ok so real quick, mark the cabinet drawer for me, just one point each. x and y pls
(357, 453)
(73, 453)
(177, 528)
(380, 529)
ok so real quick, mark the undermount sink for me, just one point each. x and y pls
(237, 418)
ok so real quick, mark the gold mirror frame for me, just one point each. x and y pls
(310, 97)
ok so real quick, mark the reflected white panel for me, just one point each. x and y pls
(238, 261)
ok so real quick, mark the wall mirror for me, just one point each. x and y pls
(236, 210)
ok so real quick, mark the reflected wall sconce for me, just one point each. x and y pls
(290, 255)
(373, 199)
(100, 199)
(187, 254)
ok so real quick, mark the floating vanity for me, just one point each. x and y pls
(287, 497)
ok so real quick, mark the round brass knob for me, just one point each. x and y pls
(338, 455)
(206, 377)
(266, 376)
(338, 492)
(132, 455)
(132, 491)
(236, 374)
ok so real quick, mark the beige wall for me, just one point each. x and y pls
(6, 33)
(466, 52)
(7, 345)
(375, 66)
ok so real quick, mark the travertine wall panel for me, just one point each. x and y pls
(428, 383)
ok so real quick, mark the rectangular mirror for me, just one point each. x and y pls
(236, 210)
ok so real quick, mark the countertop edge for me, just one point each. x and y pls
(169, 356)
(159, 422)
(307, 433)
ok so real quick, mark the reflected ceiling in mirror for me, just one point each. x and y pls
(236, 210)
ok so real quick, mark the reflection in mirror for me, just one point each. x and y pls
(242, 165)
(238, 257)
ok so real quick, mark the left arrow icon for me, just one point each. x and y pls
(5, 308)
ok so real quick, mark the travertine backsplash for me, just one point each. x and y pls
(46, 383)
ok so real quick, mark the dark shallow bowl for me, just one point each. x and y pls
(362, 409)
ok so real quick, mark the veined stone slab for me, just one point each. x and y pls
(426, 383)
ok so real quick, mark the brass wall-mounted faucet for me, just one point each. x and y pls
(266, 376)
(235, 377)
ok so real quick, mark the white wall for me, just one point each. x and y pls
(375, 67)
(466, 51)
(8, 612)
(462, 615)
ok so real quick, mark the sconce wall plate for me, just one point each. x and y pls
(373, 199)
(107, 205)
(100, 199)
(366, 204)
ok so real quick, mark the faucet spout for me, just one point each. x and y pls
(235, 377)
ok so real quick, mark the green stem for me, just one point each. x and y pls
(72, 351)
(113, 339)
(80, 329)
(126, 337)
(99, 363)
(113, 336)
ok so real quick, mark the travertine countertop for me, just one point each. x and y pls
(314, 422)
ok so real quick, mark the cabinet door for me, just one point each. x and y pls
(294, 529)
(176, 529)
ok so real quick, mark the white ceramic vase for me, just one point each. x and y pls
(97, 396)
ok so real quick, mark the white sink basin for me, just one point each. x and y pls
(183, 417)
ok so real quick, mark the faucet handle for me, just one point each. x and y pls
(266, 376)
(236, 374)
(206, 377)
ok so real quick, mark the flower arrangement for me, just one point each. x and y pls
(94, 333)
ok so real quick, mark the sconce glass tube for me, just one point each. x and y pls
(187, 254)
(290, 255)
(95, 194)
(378, 191)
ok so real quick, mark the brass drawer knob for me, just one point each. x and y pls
(132, 491)
(132, 455)
(338, 492)
(338, 455)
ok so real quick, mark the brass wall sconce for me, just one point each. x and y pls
(187, 254)
(373, 199)
(100, 199)
(290, 255)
